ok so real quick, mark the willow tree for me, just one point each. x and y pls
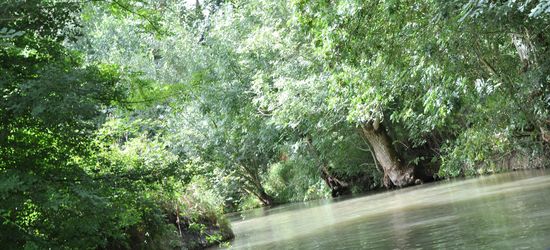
(373, 52)
(501, 52)
(418, 75)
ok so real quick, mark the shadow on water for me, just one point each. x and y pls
(509, 210)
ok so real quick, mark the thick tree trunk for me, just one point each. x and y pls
(254, 186)
(545, 134)
(395, 171)
(265, 198)
(337, 187)
(527, 53)
(524, 48)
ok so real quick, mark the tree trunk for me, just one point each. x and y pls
(253, 185)
(265, 198)
(337, 187)
(527, 53)
(395, 171)
(524, 49)
(545, 134)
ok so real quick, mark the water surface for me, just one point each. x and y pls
(505, 211)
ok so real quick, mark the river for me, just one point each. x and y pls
(503, 211)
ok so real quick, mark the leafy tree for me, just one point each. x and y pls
(51, 105)
(69, 179)
(502, 57)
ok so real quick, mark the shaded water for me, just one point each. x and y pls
(505, 211)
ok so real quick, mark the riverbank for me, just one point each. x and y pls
(509, 162)
(507, 210)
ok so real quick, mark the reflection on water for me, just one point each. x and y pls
(502, 211)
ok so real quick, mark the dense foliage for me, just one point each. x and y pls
(77, 170)
(134, 124)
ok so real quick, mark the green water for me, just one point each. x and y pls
(505, 211)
